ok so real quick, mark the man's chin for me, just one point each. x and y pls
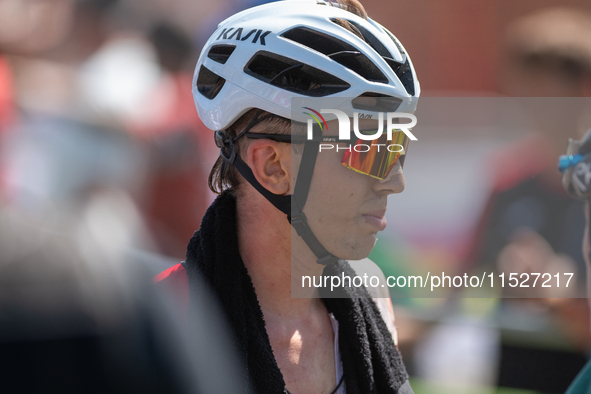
(360, 249)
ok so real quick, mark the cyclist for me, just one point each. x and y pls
(245, 248)
(575, 167)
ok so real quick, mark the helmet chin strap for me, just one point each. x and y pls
(299, 198)
(294, 212)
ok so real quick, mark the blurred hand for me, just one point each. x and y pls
(530, 253)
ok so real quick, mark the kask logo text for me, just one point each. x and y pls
(233, 33)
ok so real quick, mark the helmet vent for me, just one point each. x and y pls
(338, 50)
(221, 53)
(209, 83)
(318, 41)
(292, 75)
(395, 40)
(402, 70)
(404, 74)
(376, 102)
(373, 42)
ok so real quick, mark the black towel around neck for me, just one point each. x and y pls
(371, 362)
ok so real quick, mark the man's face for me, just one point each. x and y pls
(346, 209)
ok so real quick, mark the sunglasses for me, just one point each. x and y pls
(374, 158)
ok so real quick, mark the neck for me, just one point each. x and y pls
(265, 242)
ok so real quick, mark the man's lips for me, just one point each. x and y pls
(377, 219)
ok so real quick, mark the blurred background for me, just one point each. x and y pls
(97, 125)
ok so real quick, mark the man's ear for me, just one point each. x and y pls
(270, 162)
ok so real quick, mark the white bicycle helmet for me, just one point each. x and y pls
(301, 40)
(265, 56)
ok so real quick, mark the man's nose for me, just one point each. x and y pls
(394, 183)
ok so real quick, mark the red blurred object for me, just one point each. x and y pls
(7, 113)
(175, 278)
(181, 152)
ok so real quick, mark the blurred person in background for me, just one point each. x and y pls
(67, 145)
(243, 84)
(103, 113)
(7, 113)
(7, 99)
(80, 315)
(575, 166)
(541, 63)
(529, 223)
(180, 146)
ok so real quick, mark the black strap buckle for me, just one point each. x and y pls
(226, 146)
(299, 222)
(328, 259)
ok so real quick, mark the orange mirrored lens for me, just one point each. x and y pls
(377, 157)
